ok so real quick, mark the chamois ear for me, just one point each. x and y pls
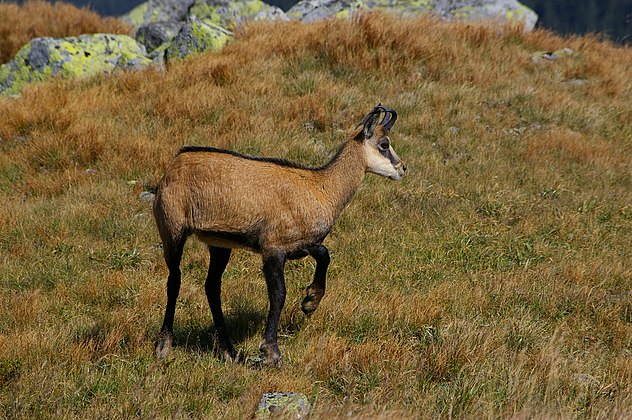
(369, 126)
(368, 123)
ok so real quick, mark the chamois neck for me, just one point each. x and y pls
(343, 174)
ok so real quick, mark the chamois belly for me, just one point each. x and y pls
(229, 240)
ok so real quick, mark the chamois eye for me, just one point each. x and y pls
(384, 145)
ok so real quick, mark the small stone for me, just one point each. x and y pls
(286, 404)
(586, 379)
(147, 196)
(551, 55)
(577, 82)
(90, 171)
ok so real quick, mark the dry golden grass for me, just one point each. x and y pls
(494, 281)
(38, 18)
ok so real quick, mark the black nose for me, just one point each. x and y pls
(403, 166)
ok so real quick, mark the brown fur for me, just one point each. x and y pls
(285, 207)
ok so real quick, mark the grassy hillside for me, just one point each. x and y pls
(493, 281)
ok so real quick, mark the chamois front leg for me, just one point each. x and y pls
(316, 290)
(213, 288)
(273, 266)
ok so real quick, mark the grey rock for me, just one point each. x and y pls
(404, 7)
(505, 11)
(225, 13)
(82, 56)
(313, 10)
(158, 11)
(39, 56)
(231, 13)
(147, 196)
(153, 35)
(197, 36)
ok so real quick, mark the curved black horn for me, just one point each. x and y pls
(390, 117)
(389, 124)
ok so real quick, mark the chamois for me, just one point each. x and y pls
(276, 208)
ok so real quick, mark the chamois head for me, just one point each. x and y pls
(380, 157)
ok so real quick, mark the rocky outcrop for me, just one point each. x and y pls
(173, 29)
(471, 10)
(82, 56)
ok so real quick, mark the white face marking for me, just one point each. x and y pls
(385, 163)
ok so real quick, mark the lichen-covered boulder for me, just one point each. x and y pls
(158, 11)
(82, 56)
(283, 405)
(230, 13)
(196, 36)
(313, 10)
(153, 35)
(510, 11)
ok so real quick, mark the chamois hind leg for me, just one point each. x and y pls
(213, 286)
(316, 290)
(273, 265)
(173, 256)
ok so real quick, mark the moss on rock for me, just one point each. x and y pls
(402, 6)
(283, 404)
(313, 10)
(510, 11)
(230, 13)
(136, 16)
(158, 11)
(196, 36)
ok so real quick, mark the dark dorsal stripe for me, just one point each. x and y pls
(276, 161)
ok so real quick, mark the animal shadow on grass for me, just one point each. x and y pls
(201, 336)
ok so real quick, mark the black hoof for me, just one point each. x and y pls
(270, 356)
(309, 305)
